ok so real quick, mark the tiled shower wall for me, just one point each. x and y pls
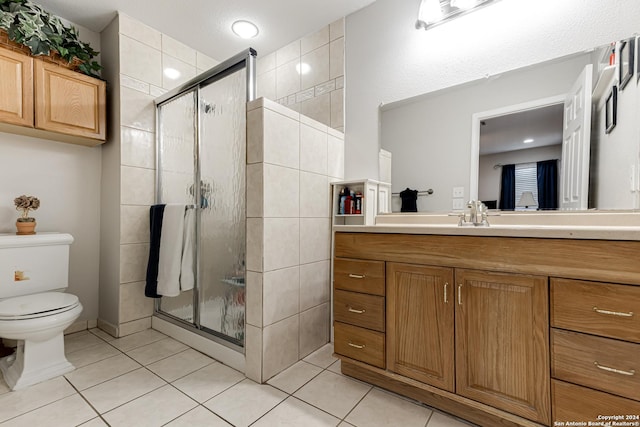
(141, 54)
(307, 75)
(291, 162)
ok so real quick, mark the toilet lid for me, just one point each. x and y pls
(36, 304)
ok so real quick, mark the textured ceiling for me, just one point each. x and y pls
(205, 24)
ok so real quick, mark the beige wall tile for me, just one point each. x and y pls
(156, 91)
(187, 71)
(133, 304)
(314, 329)
(281, 292)
(255, 190)
(267, 85)
(204, 62)
(281, 192)
(314, 195)
(336, 29)
(315, 40)
(253, 353)
(133, 262)
(134, 224)
(315, 284)
(335, 157)
(280, 346)
(336, 58)
(137, 30)
(133, 327)
(340, 82)
(137, 186)
(337, 108)
(288, 53)
(313, 150)
(315, 238)
(318, 61)
(279, 108)
(266, 63)
(138, 148)
(317, 108)
(179, 50)
(255, 136)
(254, 300)
(132, 83)
(280, 247)
(137, 110)
(140, 61)
(281, 140)
(287, 79)
(255, 244)
(313, 123)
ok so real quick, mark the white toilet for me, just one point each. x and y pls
(33, 311)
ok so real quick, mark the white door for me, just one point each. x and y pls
(576, 143)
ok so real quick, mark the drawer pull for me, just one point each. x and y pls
(356, 276)
(616, 371)
(356, 345)
(613, 313)
(353, 310)
(460, 294)
(445, 293)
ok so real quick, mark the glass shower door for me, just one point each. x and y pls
(223, 216)
(176, 176)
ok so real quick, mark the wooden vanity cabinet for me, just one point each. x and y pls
(496, 330)
(44, 100)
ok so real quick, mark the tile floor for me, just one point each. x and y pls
(149, 379)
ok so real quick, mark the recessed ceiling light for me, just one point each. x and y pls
(171, 73)
(303, 68)
(244, 29)
(528, 141)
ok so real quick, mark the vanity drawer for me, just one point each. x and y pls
(359, 275)
(600, 363)
(360, 344)
(575, 403)
(358, 309)
(596, 308)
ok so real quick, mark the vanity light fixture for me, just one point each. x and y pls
(171, 73)
(436, 12)
(528, 141)
(244, 29)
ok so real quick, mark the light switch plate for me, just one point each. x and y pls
(458, 204)
(458, 192)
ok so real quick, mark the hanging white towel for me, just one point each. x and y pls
(171, 248)
(187, 277)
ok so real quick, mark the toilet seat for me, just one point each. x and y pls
(37, 305)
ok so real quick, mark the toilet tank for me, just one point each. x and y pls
(32, 264)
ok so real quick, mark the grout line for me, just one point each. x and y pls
(88, 403)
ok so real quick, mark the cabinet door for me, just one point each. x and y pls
(420, 310)
(69, 102)
(502, 342)
(16, 88)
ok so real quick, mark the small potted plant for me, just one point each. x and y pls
(26, 224)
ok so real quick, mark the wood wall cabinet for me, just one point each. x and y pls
(47, 101)
(498, 331)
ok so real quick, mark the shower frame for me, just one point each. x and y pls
(245, 59)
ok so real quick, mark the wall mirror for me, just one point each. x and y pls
(463, 135)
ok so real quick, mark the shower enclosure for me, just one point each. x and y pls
(201, 163)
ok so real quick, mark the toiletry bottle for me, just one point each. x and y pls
(343, 197)
(358, 208)
(348, 204)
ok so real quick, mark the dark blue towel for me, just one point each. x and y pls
(156, 213)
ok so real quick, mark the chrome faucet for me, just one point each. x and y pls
(477, 213)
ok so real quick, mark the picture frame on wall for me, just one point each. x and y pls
(611, 110)
(626, 62)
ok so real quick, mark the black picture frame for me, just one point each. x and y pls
(611, 110)
(626, 63)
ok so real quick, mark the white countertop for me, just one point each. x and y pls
(599, 225)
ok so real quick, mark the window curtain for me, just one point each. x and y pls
(548, 184)
(508, 188)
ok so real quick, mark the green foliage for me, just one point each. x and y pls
(28, 24)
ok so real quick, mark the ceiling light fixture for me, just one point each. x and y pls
(171, 73)
(436, 12)
(244, 29)
(528, 141)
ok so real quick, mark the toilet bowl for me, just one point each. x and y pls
(30, 268)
